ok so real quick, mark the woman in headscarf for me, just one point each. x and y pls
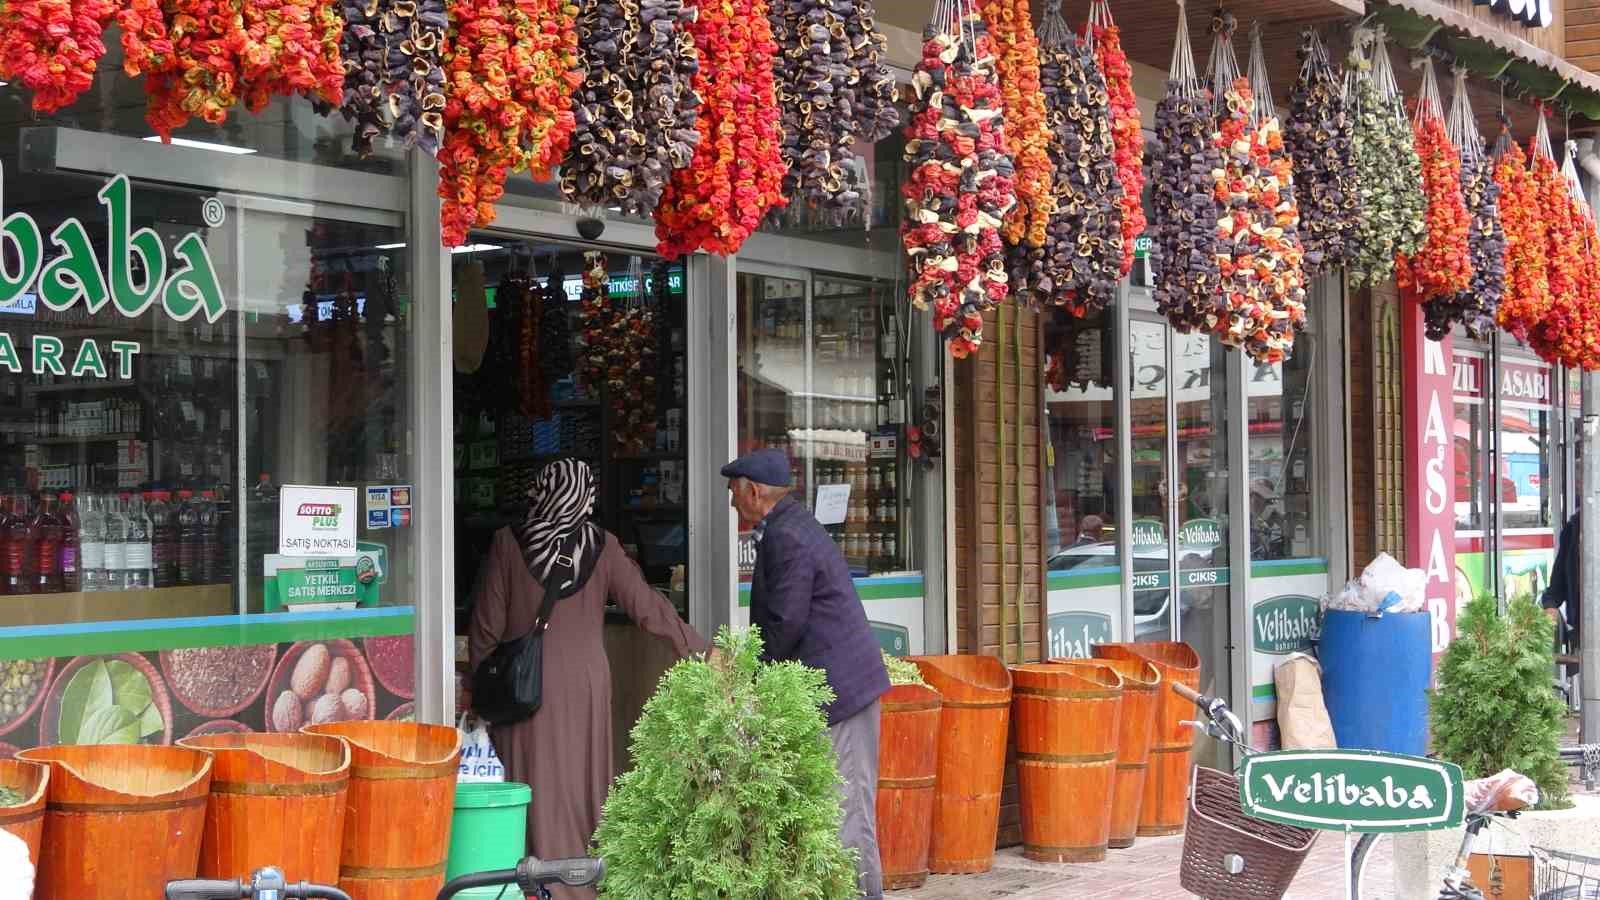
(564, 751)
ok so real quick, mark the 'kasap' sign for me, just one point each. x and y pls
(1354, 790)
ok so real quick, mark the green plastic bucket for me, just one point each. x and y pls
(488, 830)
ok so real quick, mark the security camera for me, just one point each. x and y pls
(591, 228)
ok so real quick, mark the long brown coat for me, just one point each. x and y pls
(564, 751)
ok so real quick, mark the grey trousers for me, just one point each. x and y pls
(855, 742)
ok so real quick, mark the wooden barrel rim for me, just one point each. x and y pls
(906, 784)
(1067, 693)
(67, 806)
(419, 772)
(379, 873)
(1043, 848)
(1132, 766)
(1065, 757)
(307, 789)
(11, 818)
(914, 706)
(976, 704)
(1170, 748)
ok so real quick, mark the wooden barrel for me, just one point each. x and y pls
(401, 798)
(972, 760)
(908, 759)
(1067, 717)
(121, 820)
(1166, 788)
(26, 819)
(275, 798)
(1141, 696)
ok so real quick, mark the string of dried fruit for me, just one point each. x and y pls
(876, 91)
(736, 175)
(1320, 135)
(203, 76)
(294, 49)
(1474, 307)
(1078, 265)
(959, 187)
(1441, 266)
(1127, 131)
(394, 78)
(146, 46)
(1016, 64)
(632, 379)
(555, 327)
(511, 66)
(53, 47)
(599, 320)
(1527, 295)
(635, 112)
(1388, 171)
(1558, 336)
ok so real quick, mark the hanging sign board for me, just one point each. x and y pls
(1430, 459)
(833, 502)
(315, 520)
(1352, 790)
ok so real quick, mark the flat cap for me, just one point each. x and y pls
(766, 466)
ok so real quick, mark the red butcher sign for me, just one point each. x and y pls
(1430, 469)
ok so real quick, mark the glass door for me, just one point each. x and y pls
(1151, 463)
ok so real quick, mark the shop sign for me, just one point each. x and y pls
(1072, 635)
(76, 275)
(1200, 535)
(1187, 578)
(323, 582)
(894, 640)
(1287, 624)
(1430, 460)
(1354, 790)
(1148, 533)
(316, 520)
(1524, 383)
(1467, 377)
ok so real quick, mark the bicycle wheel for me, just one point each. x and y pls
(1358, 863)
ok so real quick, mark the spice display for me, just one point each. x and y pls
(1320, 134)
(1441, 267)
(1078, 266)
(1527, 292)
(391, 659)
(317, 683)
(634, 115)
(617, 349)
(218, 681)
(1474, 307)
(1127, 131)
(293, 50)
(53, 47)
(1028, 132)
(736, 174)
(21, 680)
(511, 67)
(833, 91)
(203, 75)
(1388, 171)
(394, 78)
(959, 187)
(1183, 251)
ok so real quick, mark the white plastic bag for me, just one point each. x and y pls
(16, 870)
(1384, 587)
(479, 762)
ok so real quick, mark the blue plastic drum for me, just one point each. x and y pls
(1375, 678)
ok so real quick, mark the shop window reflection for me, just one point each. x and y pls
(1282, 427)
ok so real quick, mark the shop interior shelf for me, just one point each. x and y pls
(115, 438)
(116, 606)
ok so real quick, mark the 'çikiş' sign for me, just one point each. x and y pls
(1356, 790)
(137, 274)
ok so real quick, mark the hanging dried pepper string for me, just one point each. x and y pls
(1016, 63)
(1127, 131)
(959, 187)
(736, 175)
(1558, 335)
(1442, 266)
(1527, 295)
(293, 50)
(204, 76)
(1474, 307)
(53, 47)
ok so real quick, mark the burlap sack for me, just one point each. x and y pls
(1303, 722)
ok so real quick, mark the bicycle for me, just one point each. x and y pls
(532, 877)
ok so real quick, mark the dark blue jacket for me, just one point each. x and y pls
(805, 603)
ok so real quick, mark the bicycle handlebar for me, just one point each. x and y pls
(1187, 693)
(532, 874)
(209, 889)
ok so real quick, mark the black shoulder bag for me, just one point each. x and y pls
(508, 686)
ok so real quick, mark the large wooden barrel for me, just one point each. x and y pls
(1067, 717)
(121, 820)
(275, 798)
(1166, 788)
(972, 759)
(31, 780)
(401, 798)
(908, 760)
(1141, 687)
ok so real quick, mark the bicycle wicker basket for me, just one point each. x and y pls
(1218, 828)
(1564, 876)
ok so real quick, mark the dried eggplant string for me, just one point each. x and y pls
(1475, 307)
(1127, 131)
(394, 81)
(1320, 133)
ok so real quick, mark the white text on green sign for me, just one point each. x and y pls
(1286, 624)
(1356, 790)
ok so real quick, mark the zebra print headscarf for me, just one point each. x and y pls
(561, 500)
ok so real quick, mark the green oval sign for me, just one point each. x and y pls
(1354, 790)
(893, 639)
(1148, 533)
(1200, 535)
(1072, 634)
(1286, 624)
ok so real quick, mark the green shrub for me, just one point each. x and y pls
(1495, 707)
(733, 792)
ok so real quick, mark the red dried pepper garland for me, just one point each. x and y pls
(1527, 294)
(1442, 267)
(293, 50)
(511, 67)
(1126, 130)
(1559, 336)
(53, 47)
(1028, 134)
(202, 77)
(736, 176)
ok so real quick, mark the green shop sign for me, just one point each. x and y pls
(1352, 790)
(1071, 635)
(323, 582)
(1148, 533)
(1285, 624)
(75, 275)
(1187, 578)
(1200, 535)
(894, 640)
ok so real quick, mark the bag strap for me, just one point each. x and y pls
(551, 592)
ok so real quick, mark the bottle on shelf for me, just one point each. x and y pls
(47, 529)
(188, 538)
(116, 542)
(69, 555)
(92, 543)
(139, 553)
(207, 569)
(220, 540)
(19, 547)
(163, 540)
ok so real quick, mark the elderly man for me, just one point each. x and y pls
(804, 602)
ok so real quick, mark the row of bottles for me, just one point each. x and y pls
(111, 542)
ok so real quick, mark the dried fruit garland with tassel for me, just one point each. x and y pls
(394, 79)
(1028, 135)
(1320, 135)
(1388, 170)
(1565, 335)
(1474, 307)
(1127, 131)
(1527, 293)
(1442, 266)
(959, 187)
(53, 47)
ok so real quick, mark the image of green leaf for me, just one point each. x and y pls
(109, 725)
(108, 702)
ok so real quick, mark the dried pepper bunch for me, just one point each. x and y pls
(511, 66)
(1475, 306)
(1078, 265)
(394, 81)
(960, 186)
(635, 112)
(1028, 134)
(1562, 335)
(1388, 170)
(146, 46)
(736, 175)
(1127, 131)
(1183, 252)
(1320, 133)
(633, 375)
(1527, 294)
(204, 75)
(599, 322)
(294, 50)
(832, 89)
(53, 47)
(1442, 266)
